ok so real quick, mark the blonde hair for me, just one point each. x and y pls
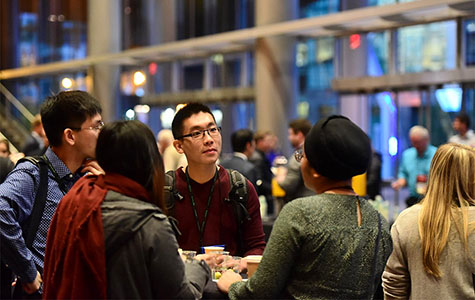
(450, 190)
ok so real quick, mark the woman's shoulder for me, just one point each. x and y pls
(408, 217)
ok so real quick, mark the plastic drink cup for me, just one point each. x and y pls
(189, 255)
(252, 264)
(213, 249)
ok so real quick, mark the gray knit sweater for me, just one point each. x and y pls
(317, 251)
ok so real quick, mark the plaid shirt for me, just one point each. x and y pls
(17, 195)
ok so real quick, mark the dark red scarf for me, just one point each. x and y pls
(75, 262)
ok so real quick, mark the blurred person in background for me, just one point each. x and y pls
(333, 245)
(461, 126)
(37, 142)
(7, 159)
(243, 145)
(264, 144)
(415, 163)
(164, 139)
(5, 151)
(373, 175)
(291, 181)
(118, 222)
(4, 148)
(172, 160)
(434, 241)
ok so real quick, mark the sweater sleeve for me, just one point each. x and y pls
(273, 272)
(396, 277)
(171, 278)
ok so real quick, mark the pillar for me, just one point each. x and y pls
(354, 64)
(104, 36)
(276, 72)
(161, 25)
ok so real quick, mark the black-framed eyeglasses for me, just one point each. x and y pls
(98, 127)
(197, 134)
(298, 154)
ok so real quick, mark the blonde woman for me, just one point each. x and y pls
(434, 241)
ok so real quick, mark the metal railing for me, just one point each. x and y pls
(15, 102)
(15, 118)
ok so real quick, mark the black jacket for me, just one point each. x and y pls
(142, 259)
(264, 173)
(245, 167)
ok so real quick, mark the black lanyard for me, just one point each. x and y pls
(201, 228)
(58, 179)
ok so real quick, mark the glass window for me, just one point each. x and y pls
(315, 70)
(378, 49)
(198, 18)
(469, 35)
(382, 130)
(226, 72)
(50, 34)
(381, 2)
(28, 43)
(193, 77)
(313, 8)
(430, 47)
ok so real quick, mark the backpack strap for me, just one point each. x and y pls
(238, 196)
(171, 193)
(31, 227)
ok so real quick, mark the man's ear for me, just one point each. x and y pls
(248, 146)
(178, 146)
(69, 137)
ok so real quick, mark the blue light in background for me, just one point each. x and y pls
(392, 143)
(389, 102)
(449, 98)
(139, 92)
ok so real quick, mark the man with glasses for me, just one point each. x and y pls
(204, 211)
(72, 123)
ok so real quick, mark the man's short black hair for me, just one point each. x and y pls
(187, 111)
(240, 138)
(464, 119)
(300, 125)
(67, 109)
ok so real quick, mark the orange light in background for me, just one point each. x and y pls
(152, 68)
(139, 78)
(67, 83)
(355, 41)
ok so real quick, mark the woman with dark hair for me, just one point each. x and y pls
(109, 236)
